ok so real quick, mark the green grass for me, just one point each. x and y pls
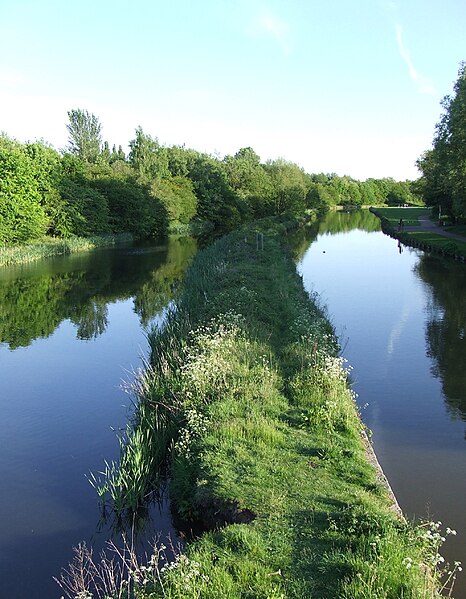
(425, 240)
(259, 430)
(409, 215)
(457, 229)
(49, 246)
(451, 247)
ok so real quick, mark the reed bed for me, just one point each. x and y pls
(49, 247)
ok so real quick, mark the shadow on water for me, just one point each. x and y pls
(446, 328)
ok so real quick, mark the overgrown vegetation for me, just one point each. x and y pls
(89, 189)
(51, 246)
(246, 405)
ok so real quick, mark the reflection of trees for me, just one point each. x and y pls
(301, 239)
(92, 320)
(35, 300)
(339, 221)
(335, 221)
(159, 289)
(446, 327)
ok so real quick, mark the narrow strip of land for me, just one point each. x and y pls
(247, 404)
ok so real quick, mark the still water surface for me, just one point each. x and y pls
(71, 329)
(401, 318)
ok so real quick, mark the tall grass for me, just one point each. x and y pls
(48, 247)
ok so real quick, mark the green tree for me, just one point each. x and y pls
(217, 202)
(132, 207)
(248, 179)
(148, 158)
(177, 158)
(22, 212)
(178, 197)
(443, 168)
(290, 185)
(84, 135)
(318, 198)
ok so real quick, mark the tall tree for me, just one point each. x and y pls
(443, 180)
(290, 185)
(148, 158)
(85, 138)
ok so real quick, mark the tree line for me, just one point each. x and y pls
(443, 167)
(90, 189)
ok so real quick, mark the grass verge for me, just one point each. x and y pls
(427, 241)
(247, 404)
(48, 247)
(444, 245)
(409, 215)
(457, 229)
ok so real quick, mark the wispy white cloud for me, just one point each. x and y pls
(263, 21)
(278, 29)
(424, 84)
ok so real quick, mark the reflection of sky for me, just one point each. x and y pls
(397, 329)
(59, 399)
(159, 319)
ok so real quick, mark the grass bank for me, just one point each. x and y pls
(409, 215)
(246, 403)
(425, 240)
(50, 246)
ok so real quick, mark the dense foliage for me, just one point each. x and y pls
(443, 181)
(89, 189)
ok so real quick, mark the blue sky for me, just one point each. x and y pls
(345, 86)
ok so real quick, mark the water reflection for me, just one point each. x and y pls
(336, 221)
(404, 315)
(340, 221)
(446, 328)
(35, 299)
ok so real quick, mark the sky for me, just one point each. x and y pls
(351, 87)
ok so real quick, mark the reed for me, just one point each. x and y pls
(49, 247)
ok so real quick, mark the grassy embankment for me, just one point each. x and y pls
(249, 402)
(430, 241)
(50, 246)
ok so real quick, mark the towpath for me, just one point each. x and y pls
(428, 226)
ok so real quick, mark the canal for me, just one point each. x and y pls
(400, 315)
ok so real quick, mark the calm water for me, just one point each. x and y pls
(401, 317)
(71, 329)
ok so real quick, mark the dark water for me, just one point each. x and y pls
(401, 317)
(71, 329)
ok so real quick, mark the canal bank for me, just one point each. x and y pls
(423, 233)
